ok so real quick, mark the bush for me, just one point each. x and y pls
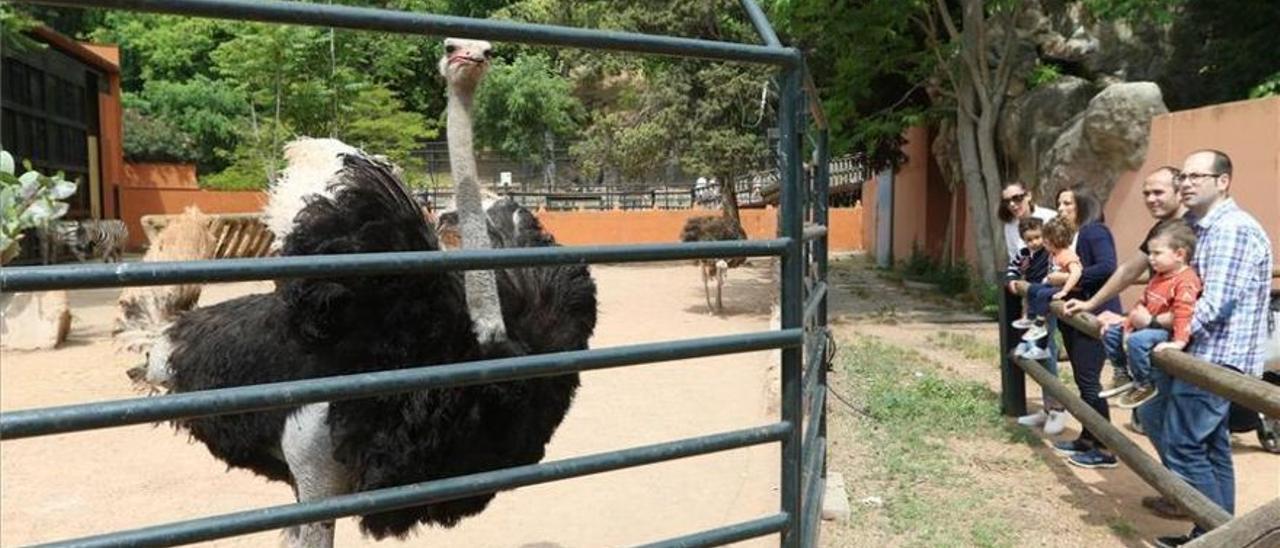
(920, 266)
(151, 140)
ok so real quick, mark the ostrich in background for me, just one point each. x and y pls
(713, 228)
(335, 199)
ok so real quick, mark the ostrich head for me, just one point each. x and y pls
(465, 62)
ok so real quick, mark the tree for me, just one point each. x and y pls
(523, 108)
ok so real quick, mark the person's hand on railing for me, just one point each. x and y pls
(1169, 345)
(1018, 287)
(1076, 306)
(1105, 320)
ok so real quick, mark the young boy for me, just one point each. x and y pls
(1058, 233)
(1031, 264)
(1173, 288)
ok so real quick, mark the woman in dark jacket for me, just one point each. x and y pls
(1097, 251)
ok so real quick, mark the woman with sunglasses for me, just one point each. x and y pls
(1017, 204)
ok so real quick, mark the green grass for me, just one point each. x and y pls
(971, 347)
(1122, 528)
(914, 417)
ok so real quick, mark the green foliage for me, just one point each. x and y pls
(1162, 11)
(28, 201)
(208, 112)
(1267, 88)
(1221, 54)
(1042, 74)
(149, 139)
(520, 102)
(375, 121)
(13, 25)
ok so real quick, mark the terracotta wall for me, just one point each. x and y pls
(911, 195)
(150, 189)
(661, 226)
(1248, 131)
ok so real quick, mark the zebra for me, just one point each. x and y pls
(87, 240)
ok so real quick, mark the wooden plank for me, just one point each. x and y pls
(1257, 529)
(1204, 511)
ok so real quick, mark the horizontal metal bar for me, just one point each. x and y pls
(728, 534)
(368, 264)
(71, 418)
(381, 500)
(813, 232)
(324, 15)
(1203, 510)
(814, 302)
(761, 22)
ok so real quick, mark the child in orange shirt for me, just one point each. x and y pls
(1174, 288)
(1058, 233)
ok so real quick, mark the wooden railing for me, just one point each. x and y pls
(238, 235)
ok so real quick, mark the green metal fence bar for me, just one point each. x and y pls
(815, 487)
(367, 502)
(815, 365)
(402, 22)
(71, 418)
(761, 23)
(813, 304)
(789, 226)
(823, 218)
(37, 278)
(728, 534)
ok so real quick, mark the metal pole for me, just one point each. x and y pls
(761, 23)
(1013, 382)
(404, 22)
(791, 225)
(822, 218)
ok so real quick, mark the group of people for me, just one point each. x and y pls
(1209, 267)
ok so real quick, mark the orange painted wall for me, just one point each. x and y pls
(1248, 131)
(160, 175)
(111, 145)
(151, 189)
(910, 195)
(662, 226)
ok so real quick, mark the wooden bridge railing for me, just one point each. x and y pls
(238, 235)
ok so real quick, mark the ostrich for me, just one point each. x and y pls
(335, 199)
(711, 229)
(188, 237)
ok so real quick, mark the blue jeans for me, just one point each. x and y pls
(1138, 357)
(1038, 297)
(1151, 414)
(1198, 444)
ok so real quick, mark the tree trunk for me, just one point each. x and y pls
(975, 193)
(549, 159)
(729, 198)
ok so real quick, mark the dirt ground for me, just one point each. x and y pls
(65, 486)
(1049, 502)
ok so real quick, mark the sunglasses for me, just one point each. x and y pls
(1015, 198)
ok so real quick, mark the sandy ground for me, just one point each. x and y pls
(72, 485)
(1054, 504)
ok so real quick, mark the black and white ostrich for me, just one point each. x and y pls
(342, 201)
(713, 228)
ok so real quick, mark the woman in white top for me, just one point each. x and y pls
(1017, 203)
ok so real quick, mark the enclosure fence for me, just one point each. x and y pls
(801, 244)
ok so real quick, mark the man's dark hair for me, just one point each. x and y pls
(1178, 234)
(1173, 174)
(1030, 223)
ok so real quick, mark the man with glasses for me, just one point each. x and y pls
(1228, 328)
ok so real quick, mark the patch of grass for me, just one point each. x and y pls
(968, 345)
(914, 417)
(1122, 528)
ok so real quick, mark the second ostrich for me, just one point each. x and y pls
(713, 229)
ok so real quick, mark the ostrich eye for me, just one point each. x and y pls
(488, 54)
(450, 48)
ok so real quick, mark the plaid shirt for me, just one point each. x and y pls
(1233, 256)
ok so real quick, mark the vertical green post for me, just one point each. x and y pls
(790, 225)
(822, 217)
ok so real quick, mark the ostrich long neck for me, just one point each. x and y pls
(481, 286)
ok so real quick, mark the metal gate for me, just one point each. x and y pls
(801, 244)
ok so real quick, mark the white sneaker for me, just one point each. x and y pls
(1056, 424)
(1036, 333)
(1035, 419)
(1118, 390)
(1035, 353)
(1023, 323)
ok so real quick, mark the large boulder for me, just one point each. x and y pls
(1107, 139)
(34, 321)
(1030, 124)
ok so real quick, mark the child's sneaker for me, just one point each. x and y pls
(1056, 424)
(1035, 419)
(1138, 396)
(1035, 353)
(1120, 383)
(1036, 333)
(1023, 323)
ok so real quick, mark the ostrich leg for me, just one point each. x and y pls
(308, 448)
(721, 268)
(706, 289)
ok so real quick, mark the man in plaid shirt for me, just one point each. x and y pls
(1228, 328)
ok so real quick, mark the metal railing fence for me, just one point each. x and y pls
(803, 268)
